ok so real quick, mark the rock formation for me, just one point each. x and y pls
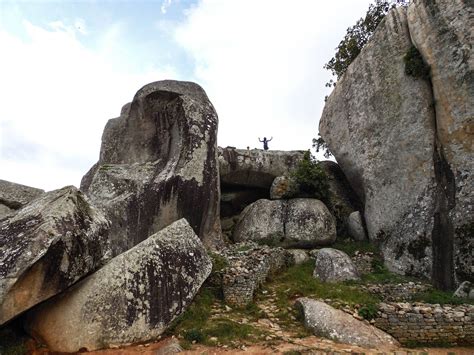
(410, 160)
(295, 223)
(158, 163)
(47, 246)
(133, 298)
(14, 196)
(255, 168)
(333, 265)
(324, 320)
(442, 32)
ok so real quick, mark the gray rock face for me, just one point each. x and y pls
(47, 246)
(283, 187)
(324, 320)
(334, 265)
(14, 196)
(342, 199)
(255, 168)
(442, 32)
(133, 298)
(375, 122)
(464, 290)
(297, 256)
(295, 223)
(158, 163)
(355, 226)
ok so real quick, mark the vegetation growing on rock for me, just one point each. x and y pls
(311, 178)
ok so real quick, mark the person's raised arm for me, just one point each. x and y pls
(268, 140)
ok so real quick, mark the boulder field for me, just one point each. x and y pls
(115, 262)
(406, 144)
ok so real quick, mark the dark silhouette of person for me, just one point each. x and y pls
(265, 142)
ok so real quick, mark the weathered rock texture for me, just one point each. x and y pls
(296, 223)
(342, 199)
(255, 168)
(133, 298)
(283, 187)
(380, 125)
(158, 163)
(355, 227)
(326, 321)
(334, 265)
(14, 196)
(427, 323)
(442, 30)
(47, 246)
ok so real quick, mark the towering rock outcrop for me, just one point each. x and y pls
(442, 31)
(406, 144)
(47, 246)
(375, 122)
(14, 196)
(158, 163)
(133, 298)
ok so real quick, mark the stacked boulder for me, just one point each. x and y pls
(158, 164)
(116, 263)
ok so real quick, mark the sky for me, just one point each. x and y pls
(66, 67)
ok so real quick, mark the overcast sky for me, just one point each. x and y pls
(66, 67)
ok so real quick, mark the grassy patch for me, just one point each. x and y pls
(382, 275)
(219, 263)
(442, 297)
(298, 281)
(197, 326)
(350, 247)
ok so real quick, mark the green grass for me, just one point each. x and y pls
(442, 297)
(350, 247)
(298, 281)
(197, 326)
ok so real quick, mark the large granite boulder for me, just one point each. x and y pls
(47, 246)
(158, 163)
(380, 125)
(296, 223)
(14, 196)
(442, 30)
(333, 265)
(132, 299)
(255, 168)
(326, 321)
(284, 187)
(355, 227)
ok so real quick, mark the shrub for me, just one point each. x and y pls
(311, 178)
(368, 311)
(415, 66)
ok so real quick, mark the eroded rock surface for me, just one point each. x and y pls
(133, 298)
(255, 168)
(442, 32)
(296, 223)
(334, 265)
(326, 321)
(14, 196)
(47, 246)
(380, 125)
(355, 227)
(158, 163)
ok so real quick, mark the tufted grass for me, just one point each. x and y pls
(441, 297)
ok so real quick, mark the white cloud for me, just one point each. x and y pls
(261, 64)
(56, 98)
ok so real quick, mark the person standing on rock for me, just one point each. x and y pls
(265, 142)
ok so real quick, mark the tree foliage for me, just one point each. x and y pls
(320, 144)
(357, 37)
(311, 178)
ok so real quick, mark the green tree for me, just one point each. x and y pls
(311, 178)
(357, 37)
